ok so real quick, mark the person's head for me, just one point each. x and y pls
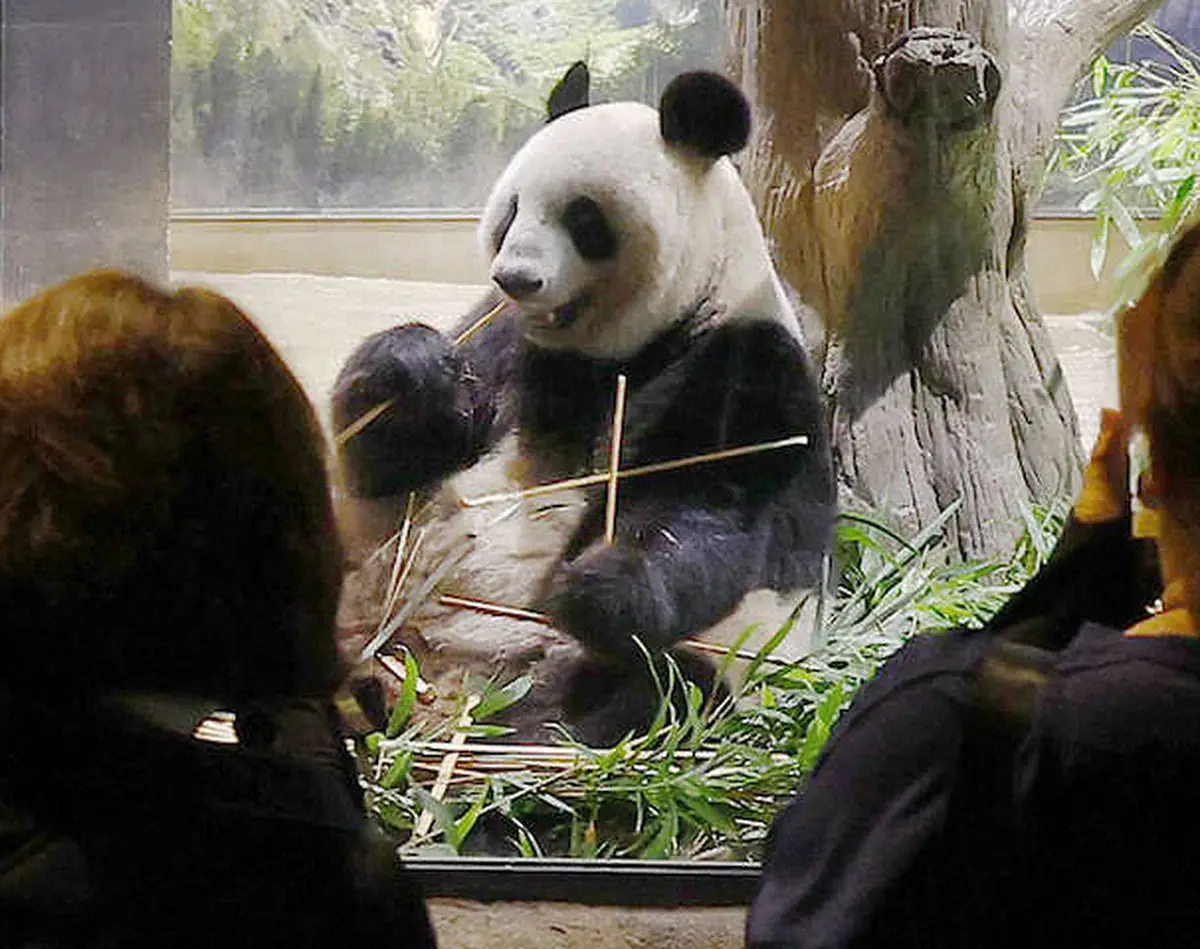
(165, 519)
(1158, 355)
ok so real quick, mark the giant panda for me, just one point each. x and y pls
(622, 242)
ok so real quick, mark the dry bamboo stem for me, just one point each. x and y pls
(397, 575)
(587, 481)
(480, 323)
(495, 609)
(517, 612)
(449, 760)
(549, 753)
(362, 422)
(614, 463)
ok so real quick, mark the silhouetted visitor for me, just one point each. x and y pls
(1034, 784)
(171, 770)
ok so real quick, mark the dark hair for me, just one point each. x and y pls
(165, 517)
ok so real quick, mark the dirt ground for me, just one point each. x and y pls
(316, 321)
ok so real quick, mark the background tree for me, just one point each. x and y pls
(895, 170)
(387, 104)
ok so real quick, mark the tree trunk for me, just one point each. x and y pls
(899, 145)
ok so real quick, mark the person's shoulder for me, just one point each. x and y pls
(1117, 694)
(918, 697)
(928, 660)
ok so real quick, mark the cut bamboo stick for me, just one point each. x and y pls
(587, 481)
(532, 616)
(494, 609)
(362, 422)
(480, 323)
(614, 463)
(395, 582)
(446, 769)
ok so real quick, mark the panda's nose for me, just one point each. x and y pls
(517, 284)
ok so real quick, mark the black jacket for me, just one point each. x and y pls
(925, 826)
(118, 829)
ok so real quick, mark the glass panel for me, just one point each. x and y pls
(353, 146)
(413, 105)
(1179, 20)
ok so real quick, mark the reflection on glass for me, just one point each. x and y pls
(402, 108)
(407, 105)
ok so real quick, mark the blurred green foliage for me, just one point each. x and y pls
(396, 103)
(1132, 144)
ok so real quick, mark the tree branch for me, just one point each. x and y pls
(1051, 43)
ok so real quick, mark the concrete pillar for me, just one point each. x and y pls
(84, 139)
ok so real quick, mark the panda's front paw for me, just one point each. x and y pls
(408, 411)
(609, 595)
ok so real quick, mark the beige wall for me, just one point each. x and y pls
(1058, 255)
(425, 249)
(443, 250)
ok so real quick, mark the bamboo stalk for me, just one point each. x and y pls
(548, 753)
(517, 612)
(446, 769)
(480, 323)
(397, 575)
(362, 422)
(716, 649)
(614, 463)
(495, 609)
(587, 481)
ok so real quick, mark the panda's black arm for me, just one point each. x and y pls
(491, 350)
(414, 406)
(690, 543)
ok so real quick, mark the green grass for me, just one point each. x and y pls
(705, 782)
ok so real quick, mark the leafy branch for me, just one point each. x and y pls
(1134, 144)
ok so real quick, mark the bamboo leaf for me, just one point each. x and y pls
(1099, 247)
(497, 700)
(1099, 75)
(407, 699)
(397, 774)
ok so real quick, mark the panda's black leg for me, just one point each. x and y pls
(604, 702)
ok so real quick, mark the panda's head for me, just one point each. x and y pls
(615, 221)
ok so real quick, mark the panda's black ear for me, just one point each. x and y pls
(706, 113)
(570, 93)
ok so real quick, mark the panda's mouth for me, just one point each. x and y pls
(561, 317)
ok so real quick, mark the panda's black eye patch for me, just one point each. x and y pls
(501, 230)
(589, 230)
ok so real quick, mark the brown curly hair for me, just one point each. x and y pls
(165, 517)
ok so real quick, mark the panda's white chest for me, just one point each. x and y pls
(513, 541)
(484, 559)
(492, 559)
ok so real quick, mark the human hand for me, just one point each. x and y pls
(1104, 495)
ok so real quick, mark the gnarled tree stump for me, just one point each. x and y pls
(900, 144)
